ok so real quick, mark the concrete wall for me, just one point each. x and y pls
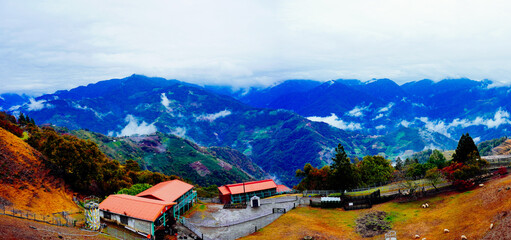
(137, 224)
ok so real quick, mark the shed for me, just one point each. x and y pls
(255, 201)
(242, 192)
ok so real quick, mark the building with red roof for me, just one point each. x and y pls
(242, 192)
(151, 209)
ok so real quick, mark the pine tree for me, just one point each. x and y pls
(466, 150)
(343, 171)
(22, 120)
(399, 164)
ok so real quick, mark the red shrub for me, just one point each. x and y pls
(502, 171)
(11, 128)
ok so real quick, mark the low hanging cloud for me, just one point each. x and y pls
(38, 105)
(386, 108)
(378, 116)
(357, 111)
(165, 101)
(334, 121)
(405, 123)
(499, 118)
(134, 128)
(213, 116)
(179, 131)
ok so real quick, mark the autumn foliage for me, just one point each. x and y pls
(84, 167)
(8, 123)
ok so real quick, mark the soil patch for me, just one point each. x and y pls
(372, 224)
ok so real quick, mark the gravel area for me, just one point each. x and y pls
(230, 224)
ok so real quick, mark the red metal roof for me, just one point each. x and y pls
(136, 207)
(283, 188)
(168, 191)
(238, 188)
(223, 190)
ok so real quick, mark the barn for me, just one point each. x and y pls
(151, 210)
(242, 192)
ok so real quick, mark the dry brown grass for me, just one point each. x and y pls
(469, 213)
(26, 182)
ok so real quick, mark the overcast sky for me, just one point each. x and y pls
(50, 45)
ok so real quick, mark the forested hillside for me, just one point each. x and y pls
(172, 155)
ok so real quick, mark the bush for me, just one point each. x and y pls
(502, 171)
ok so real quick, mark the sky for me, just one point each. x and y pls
(58, 44)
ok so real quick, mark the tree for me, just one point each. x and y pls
(343, 171)
(374, 169)
(135, 189)
(132, 165)
(437, 159)
(21, 119)
(399, 164)
(466, 150)
(408, 161)
(434, 176)
(313, 178)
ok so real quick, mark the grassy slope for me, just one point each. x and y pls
(469, 213)
(503, 149)
(25, 181)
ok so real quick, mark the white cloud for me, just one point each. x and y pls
(378, 116)
(379, 127)
(386, 108)
(357, 111)
(334, 121)
(38, 105)
(165, 101)
(499, 118)
(477, 140)
(213, 116)
(436, 126)
(405, 123)
(133, 128)
(50, 45)
(15, 107)
(179, 131)
(78, 106)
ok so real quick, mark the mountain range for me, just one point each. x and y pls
(450, 107)
(280, 128)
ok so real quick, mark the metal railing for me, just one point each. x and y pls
(57, 219)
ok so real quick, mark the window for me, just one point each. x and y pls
(107, 215)
(124, 220)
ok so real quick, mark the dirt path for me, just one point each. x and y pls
(16, 228)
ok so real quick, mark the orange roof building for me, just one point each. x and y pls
(167, 191)
(135, 207)
(242, 192)
(152, 209)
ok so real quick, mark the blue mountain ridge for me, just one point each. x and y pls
(277, 137)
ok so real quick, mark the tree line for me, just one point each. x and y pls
(346, 174)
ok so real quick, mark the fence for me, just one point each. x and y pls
(209, 200)
(195, 230)
(122, 234)
(266, 217)
(279, 200)
(57, 219)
